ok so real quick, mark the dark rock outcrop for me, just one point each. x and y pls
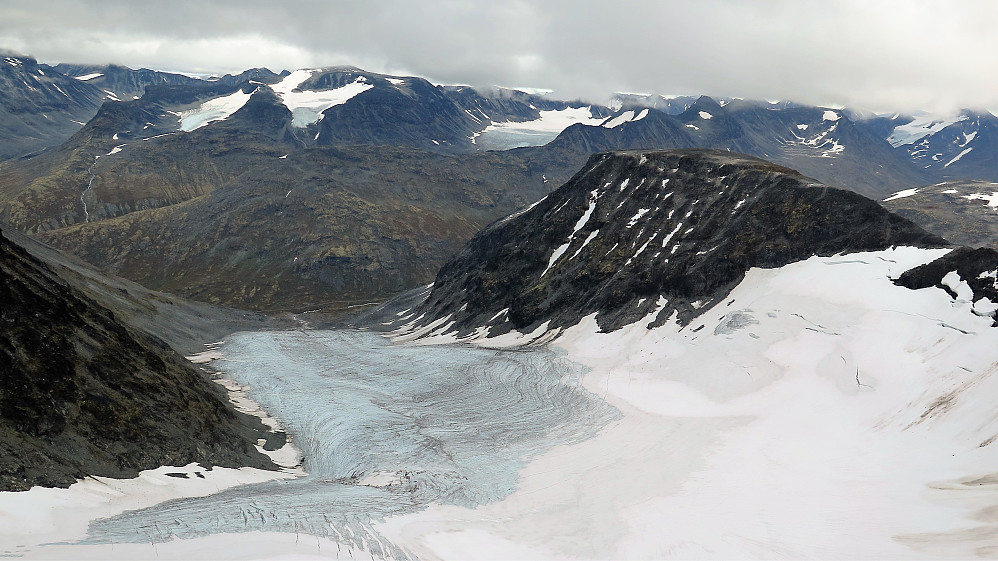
(82, 393)
(635, 227)
(978, 267)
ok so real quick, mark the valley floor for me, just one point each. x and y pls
(822, 412)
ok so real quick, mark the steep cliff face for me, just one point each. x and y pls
(636, 230)
(82, 393)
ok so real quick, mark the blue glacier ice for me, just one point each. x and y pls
(452, 424)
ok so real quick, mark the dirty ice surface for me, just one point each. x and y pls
(385, 429)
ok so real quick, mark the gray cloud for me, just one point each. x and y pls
(881, 55)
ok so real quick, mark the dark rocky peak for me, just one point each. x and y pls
(403, 112)
(39, 106)
(261, 75)
(154, 114)
(25, 87)
(706, 103)
(263, 113)
(639, 231)
(123, 82)
(655, 130)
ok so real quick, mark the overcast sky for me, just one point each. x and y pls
(873, 54)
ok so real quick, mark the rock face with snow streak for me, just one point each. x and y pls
(959, 147)
(39, 106)
(638, 231)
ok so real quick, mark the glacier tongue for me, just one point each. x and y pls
(385, 429)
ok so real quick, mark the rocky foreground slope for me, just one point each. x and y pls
(84, 393)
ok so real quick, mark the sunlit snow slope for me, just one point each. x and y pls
(821, 412)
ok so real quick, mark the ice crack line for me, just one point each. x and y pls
(90, 170)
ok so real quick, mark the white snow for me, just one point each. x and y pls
(902, 194)
(588, 239)
(830, 116)
(665, 241)
(307, 106)
(794, 420)
(963, 291)
(115, 150)
(802, 127)
(950, 191)
(396, 81)
(958, 156)
(30, 519)
(537, 132)
(637, 216)
(86, 77)
(559, 251)
(968, 138)
(923, 125)
(706, 115)
(985, 307)
(624, 117)
(215, 109)
(991, 198)
(802, 421)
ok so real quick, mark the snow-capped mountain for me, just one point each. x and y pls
(962, 146)
(639, 232)
(120, 83)
(822, 143)
(40, 106)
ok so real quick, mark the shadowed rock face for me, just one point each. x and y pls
(82, 393)
(635, 229)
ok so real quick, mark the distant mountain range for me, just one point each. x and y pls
(329, 188)
(638, 232)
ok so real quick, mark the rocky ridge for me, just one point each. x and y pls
(636, 231)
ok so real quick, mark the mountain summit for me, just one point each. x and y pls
(636, 231)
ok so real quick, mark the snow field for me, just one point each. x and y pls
(802, 420)
(215, 109)
(540, 131)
